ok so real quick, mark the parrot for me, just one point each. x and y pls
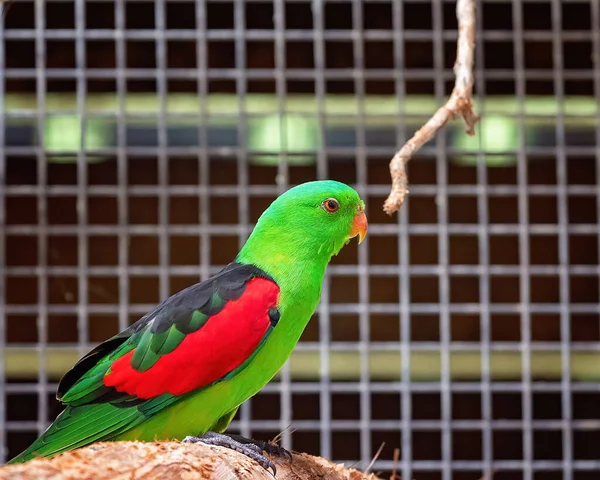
(187, 366)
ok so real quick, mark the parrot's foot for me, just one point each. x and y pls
(251, 448)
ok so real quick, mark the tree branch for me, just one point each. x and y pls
(460, 102)
(171, 460)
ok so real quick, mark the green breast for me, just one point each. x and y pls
(197, 413)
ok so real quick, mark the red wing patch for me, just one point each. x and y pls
(220, 346)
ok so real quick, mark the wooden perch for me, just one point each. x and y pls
(459, 103)
(172, 460)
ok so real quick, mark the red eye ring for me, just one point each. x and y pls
(331, 205)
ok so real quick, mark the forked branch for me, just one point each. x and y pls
(459, 103)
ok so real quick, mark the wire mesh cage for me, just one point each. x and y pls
(141, 141)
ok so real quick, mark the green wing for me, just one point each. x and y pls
(96, 412)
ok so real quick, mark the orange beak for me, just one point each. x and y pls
(359, 226)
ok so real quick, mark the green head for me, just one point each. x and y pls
(303, 228)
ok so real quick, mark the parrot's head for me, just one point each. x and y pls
(312, 220)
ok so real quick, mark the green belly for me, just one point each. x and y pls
(209, 408)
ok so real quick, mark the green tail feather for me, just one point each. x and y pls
(79, 426)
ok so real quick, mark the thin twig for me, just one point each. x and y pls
(395, 476)
(459, 103)
(277, 438)
(375, 457)
(489, 476)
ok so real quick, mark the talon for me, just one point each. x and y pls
(253, 449)
(272, 467)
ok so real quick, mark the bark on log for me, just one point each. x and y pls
(172, 460)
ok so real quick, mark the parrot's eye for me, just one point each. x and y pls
(331, 205)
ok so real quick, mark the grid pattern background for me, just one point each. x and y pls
(465, 331)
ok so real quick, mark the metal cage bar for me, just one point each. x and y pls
(454, 279)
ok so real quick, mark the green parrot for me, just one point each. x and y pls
(187, 366)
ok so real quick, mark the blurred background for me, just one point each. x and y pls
(141, 140)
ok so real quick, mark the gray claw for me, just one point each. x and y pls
(251, 448)
(270, 448)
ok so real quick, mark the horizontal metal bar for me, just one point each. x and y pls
(376, 229)
(376, 346)
(334, 270)
(287, 34)
(331, 152)
(390, 425)
(376, 387)
(418, 466)
(377, 120)
(338, 308)
(290, 74)
(262, 190)
(229, 2)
